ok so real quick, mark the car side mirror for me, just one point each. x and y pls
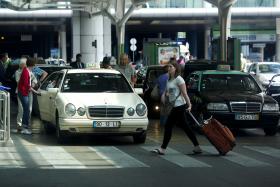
(52, 90)
(252, 73)
(139, 91)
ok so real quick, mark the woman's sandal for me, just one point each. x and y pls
(157, 151)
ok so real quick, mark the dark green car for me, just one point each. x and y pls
(234, 98)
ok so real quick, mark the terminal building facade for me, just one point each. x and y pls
(65, 33)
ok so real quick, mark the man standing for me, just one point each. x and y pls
(78, 64)
(39, 73)
(161, 82)
(126, 69)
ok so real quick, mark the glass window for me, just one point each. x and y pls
(269, 68)
(192, 82)
(253, 68)
(255, 3)
(175, 3)
(229, 83)
(95, 82)
(53, 81)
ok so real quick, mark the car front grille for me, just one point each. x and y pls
(105, 111)
(249, 107)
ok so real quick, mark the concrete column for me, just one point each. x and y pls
(262, 53)
(91, 30)
(207, 43)
(62, 43)
(76, 38)
(277, 2)
(107, 41)
(277, 48)
(194, 45)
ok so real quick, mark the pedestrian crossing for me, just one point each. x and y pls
(104, 157)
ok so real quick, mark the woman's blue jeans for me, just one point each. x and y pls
(25, 105)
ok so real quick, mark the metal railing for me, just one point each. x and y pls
(5, 138)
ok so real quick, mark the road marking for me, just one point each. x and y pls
(265, 150)
(59, 158)
(7, 158)
(237, 158)
(178, 158)
(117, 157)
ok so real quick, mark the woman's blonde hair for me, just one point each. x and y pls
(124, 59)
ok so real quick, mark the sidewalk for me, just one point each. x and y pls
(36, 123)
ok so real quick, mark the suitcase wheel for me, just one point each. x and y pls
(222, 154)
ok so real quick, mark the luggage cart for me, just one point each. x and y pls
(5, 138)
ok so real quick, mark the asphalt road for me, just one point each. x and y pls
(38, 160)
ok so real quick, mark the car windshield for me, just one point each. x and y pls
(229, 82)
(269, 68)
(95, 82)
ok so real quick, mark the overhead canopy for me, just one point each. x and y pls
(23, 5)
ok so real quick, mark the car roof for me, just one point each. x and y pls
(97, 70)
(51, 65)
(266, 63)
(218, 72)
(155, 66)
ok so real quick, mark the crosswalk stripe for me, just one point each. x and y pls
(59, 158)
(265, 150)
(237, 158)
(178, 158)
(117, 157)
(7, 158)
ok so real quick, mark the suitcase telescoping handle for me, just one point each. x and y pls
(195, 120)
(199, 124)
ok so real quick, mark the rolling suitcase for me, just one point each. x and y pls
(219, 135)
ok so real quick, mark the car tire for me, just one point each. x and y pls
(270, 131)
(60, 135)
(48, 128)
(140, 138)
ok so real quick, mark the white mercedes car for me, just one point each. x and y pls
(101, 101)
(264, 71)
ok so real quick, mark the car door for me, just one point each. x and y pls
(253, 70)
(46, 98)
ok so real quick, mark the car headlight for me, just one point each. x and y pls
(217, 107)
(130, 111)
(81, 111)
(70, 109)
(271, 107)
(141, 109)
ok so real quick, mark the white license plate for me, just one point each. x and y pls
(107, 124)
(246, 117)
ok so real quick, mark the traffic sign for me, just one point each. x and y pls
(133, 47)
(133, 41)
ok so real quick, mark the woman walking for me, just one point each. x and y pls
(176, 91)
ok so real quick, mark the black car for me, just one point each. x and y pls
(152, 73)
(234, 98)
(199, 64)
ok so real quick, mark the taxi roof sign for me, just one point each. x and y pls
(223, 67)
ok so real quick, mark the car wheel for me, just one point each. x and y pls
(140, 138)
(270, 131)
(48, 128)
(60, 135)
